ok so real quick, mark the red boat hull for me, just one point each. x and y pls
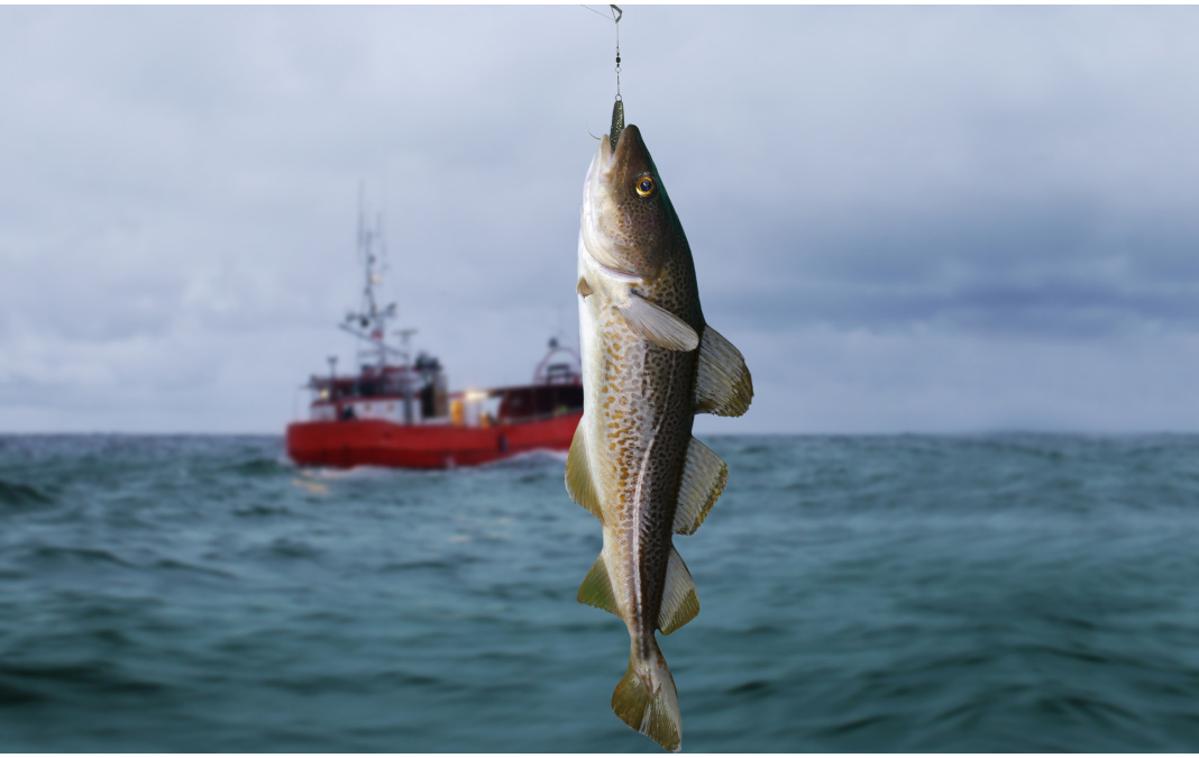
(375, 442)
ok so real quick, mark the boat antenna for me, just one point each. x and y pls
(361, 220)
(370, 324)
(384, 261)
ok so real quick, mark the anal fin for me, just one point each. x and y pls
(722, 384)
(680, 604)
(596, 589)
(579, 483)
(704, 477)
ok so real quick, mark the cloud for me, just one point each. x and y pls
(909, 218)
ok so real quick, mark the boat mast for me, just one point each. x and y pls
(370, 323)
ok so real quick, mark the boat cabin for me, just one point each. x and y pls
(416, 394)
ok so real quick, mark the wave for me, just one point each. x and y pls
(261, 467)
(755, 689)
(293, 549)
(399, 567)
(10, 695)
(261, 511)
(64, 553)
(168, 564)
(93, 675)
(23, 495)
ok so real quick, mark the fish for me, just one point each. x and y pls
(650, 362)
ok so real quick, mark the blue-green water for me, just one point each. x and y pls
(995, 593)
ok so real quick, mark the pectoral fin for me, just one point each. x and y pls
(578, 474)
(658, 325)
(722, 384)
(680, 604)
(596, 589)
(704, 477)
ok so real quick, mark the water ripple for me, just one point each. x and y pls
(991, 592)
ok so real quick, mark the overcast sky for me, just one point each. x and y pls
(909, 219)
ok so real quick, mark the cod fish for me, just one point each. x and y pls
(650, 363)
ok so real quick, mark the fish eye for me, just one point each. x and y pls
(645, 186)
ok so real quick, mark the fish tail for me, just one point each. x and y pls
(646, 698)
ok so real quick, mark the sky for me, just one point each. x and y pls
(929, 219)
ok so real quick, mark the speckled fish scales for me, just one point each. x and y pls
(650, 363)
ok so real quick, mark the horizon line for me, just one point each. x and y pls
(995, 431)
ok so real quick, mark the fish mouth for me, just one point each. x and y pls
(606, 154)
(599, 204)
(609, 155)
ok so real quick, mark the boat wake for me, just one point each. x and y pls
(529, 458)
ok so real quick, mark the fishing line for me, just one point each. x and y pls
(615, 13)
(618, 106)
(593, 10)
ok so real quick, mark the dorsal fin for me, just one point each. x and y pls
(704, 477)
(722, 383)
(596, 589)
(578, 474)
(680, 604)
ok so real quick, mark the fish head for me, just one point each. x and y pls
(629, 225)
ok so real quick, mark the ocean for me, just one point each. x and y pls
(1004, 592)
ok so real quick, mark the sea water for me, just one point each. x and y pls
(1000, 593)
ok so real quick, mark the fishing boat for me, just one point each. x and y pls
(396, 411)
